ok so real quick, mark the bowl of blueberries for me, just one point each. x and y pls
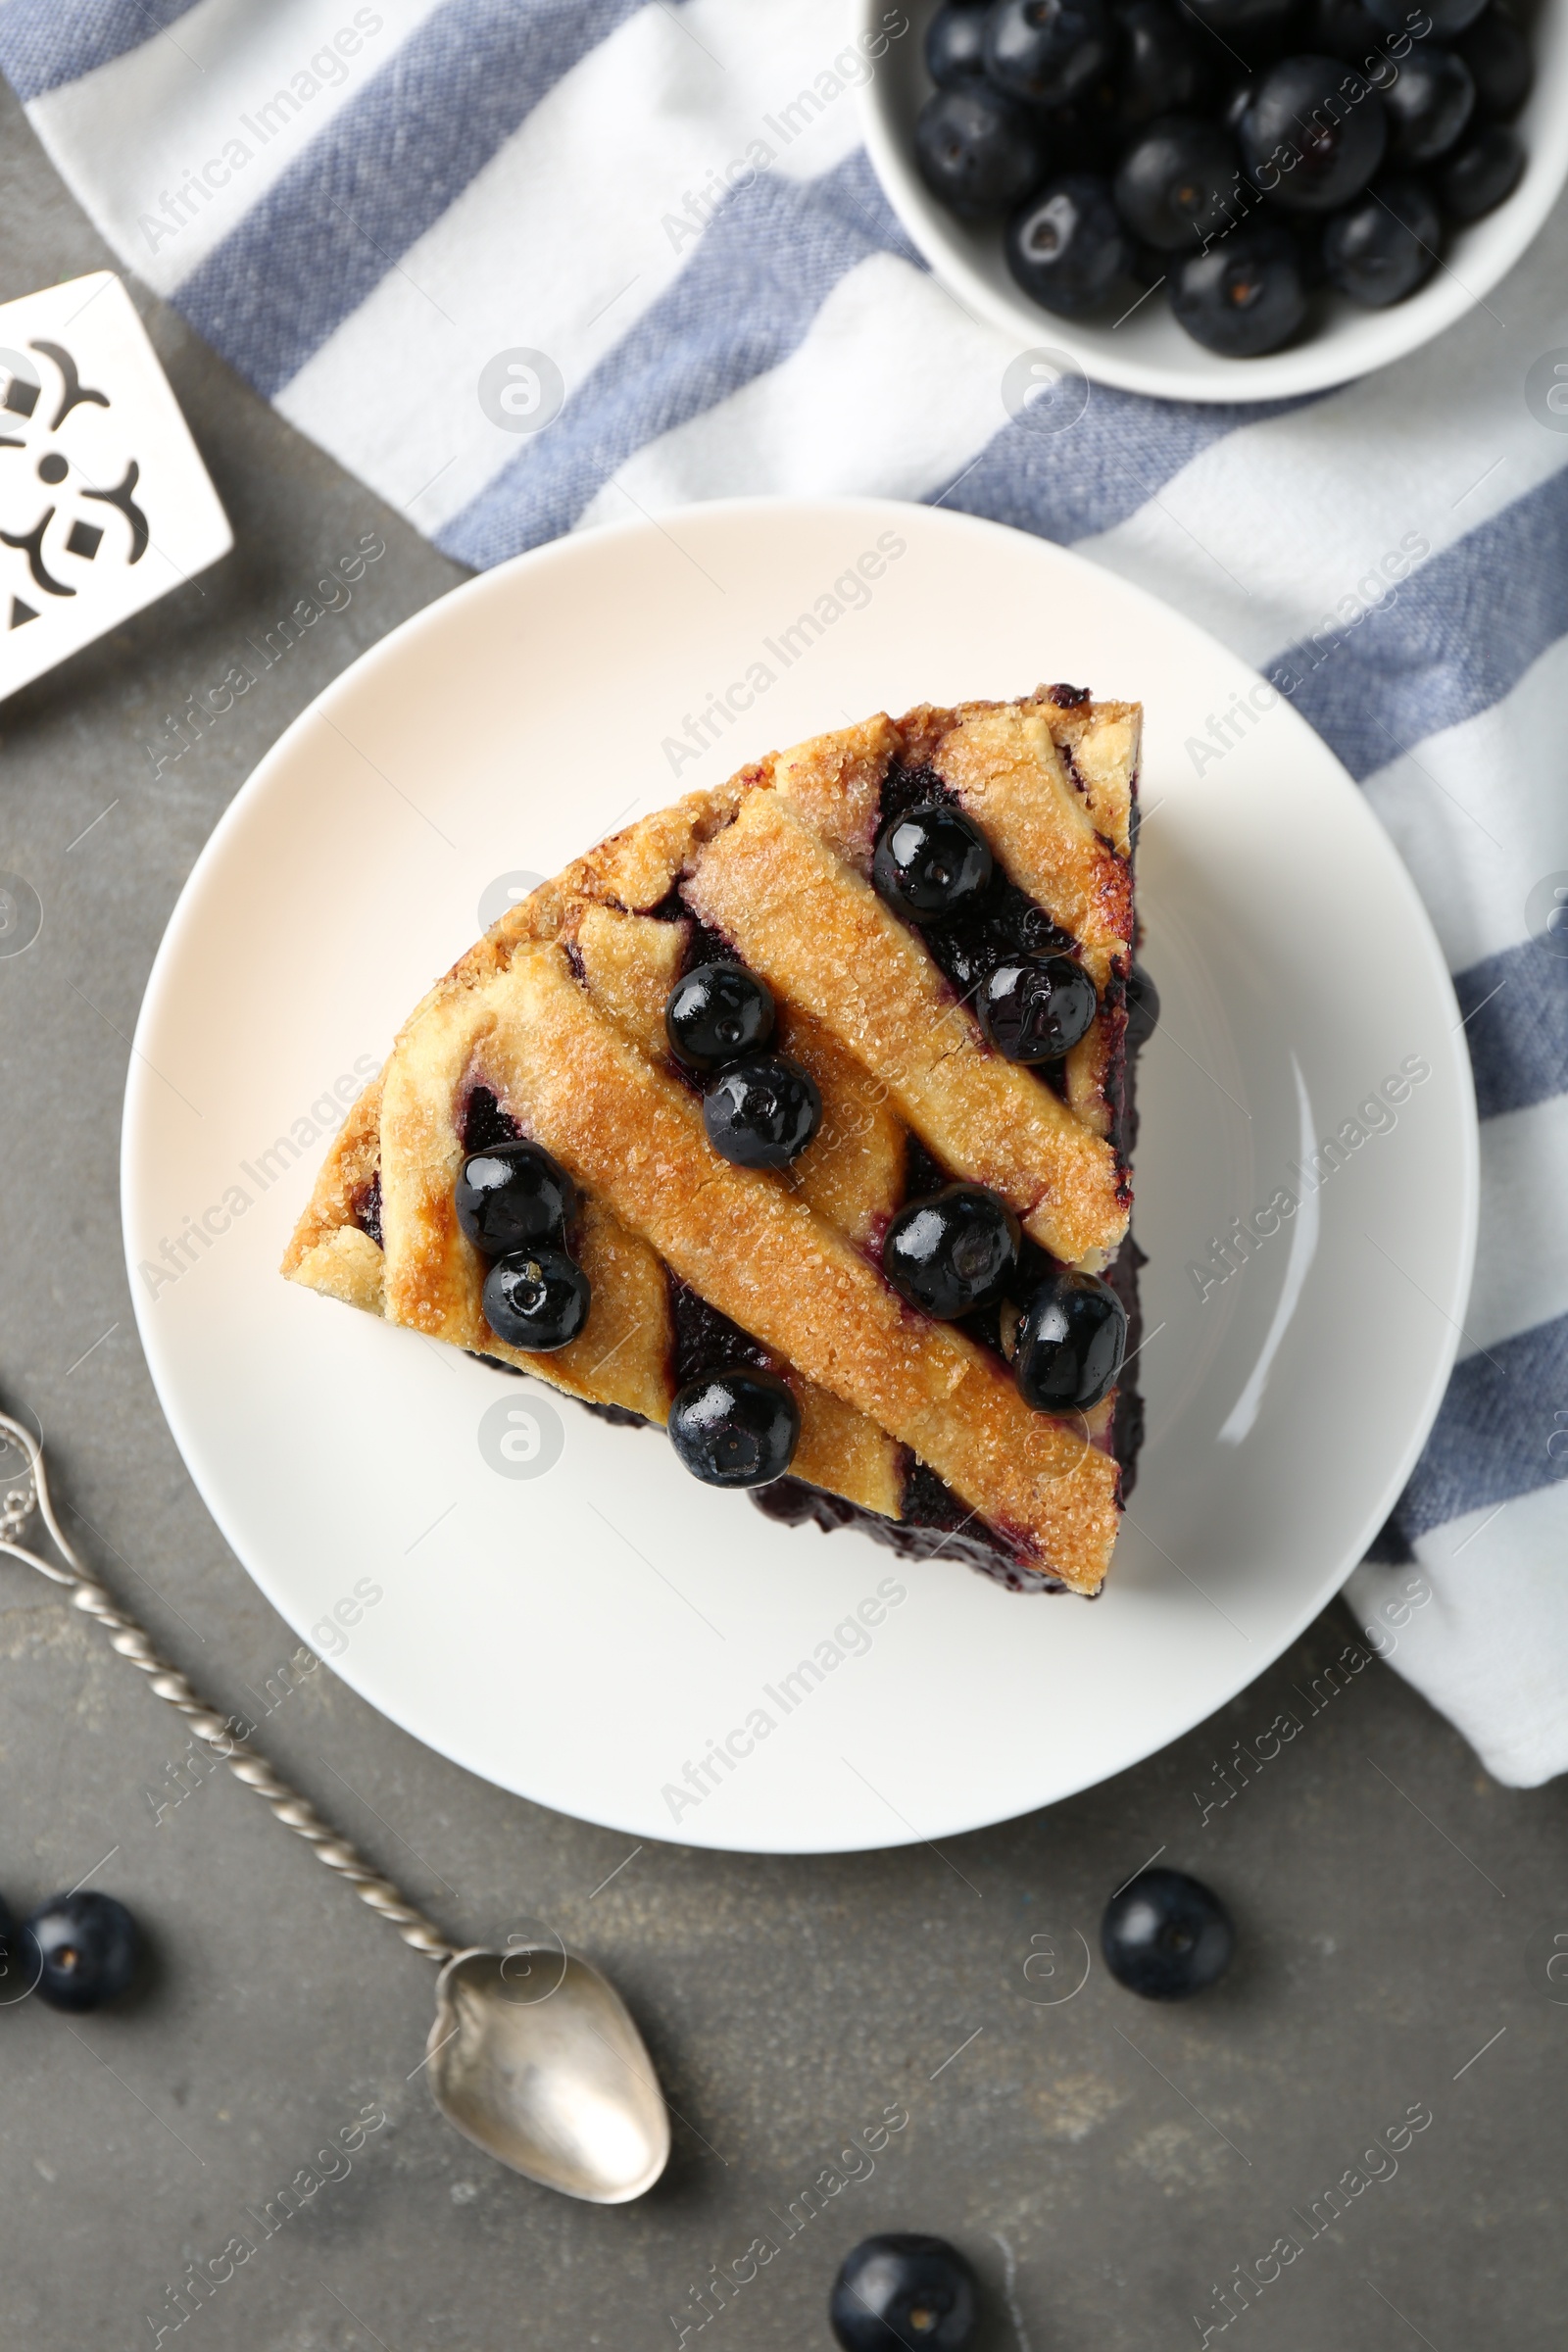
(1220, 199)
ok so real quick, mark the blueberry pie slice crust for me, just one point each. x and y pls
(551, 1033)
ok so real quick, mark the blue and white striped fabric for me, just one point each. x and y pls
(358, 205)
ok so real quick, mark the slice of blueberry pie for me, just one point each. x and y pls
(796, 1120)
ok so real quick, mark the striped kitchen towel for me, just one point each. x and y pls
(356, 205)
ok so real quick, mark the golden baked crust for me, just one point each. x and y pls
(558, 1015)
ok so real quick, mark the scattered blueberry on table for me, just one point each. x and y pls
(1241, 150)
(83, 1949)
(902, 2292)
(1165, 1935)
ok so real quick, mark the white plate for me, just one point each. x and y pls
(1149, 352)
(584, 1633)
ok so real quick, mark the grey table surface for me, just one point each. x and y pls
(1107, 2164)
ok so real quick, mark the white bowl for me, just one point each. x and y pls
(1147, 352)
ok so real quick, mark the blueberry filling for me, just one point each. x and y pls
(705, 1338)
(484, 1122)
(368, 1210)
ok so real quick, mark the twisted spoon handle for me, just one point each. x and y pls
(126, 1635)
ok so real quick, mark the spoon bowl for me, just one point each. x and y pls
(534, 2057)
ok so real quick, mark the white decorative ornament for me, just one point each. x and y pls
(105, 504)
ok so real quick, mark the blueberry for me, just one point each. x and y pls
(1343, 29)
(83, 1950)
(1385, 244)
(1428, 105)
(736, 1428)
(1143, 1009)
(978, 153)
(1445, 18)
(932, 863)
(1314, 134)
(715, 1015)
(1246, 295)
(953, 1253)
(1172, 185)
(1049, 51)
(900, 2291)
(1037, 1007)
(1165, 1935)
(1085, 137)
(536, 1299)
(762, 1113)
(1235, 104)
(1481, 173)
(1253, 29)
(954, 42)
(1499, 62)
(513, 1196)
(1159, 71)
(1067, 247)
(1069, 1344)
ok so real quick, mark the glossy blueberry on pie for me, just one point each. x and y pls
(80, 1949)
(536, 1299)
(762, 1113)
(932, 863)
(904, 2293)
(717, 1014)
(513, 1196)
(1070, 1342)
(735, 1428)
(1165, 1935)
(952, 1253)
(1037, 1007)
(1445, 17)
(1143, 1009)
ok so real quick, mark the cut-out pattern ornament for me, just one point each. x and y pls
(105, 504)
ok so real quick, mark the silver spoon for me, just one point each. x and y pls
(533, 2054)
